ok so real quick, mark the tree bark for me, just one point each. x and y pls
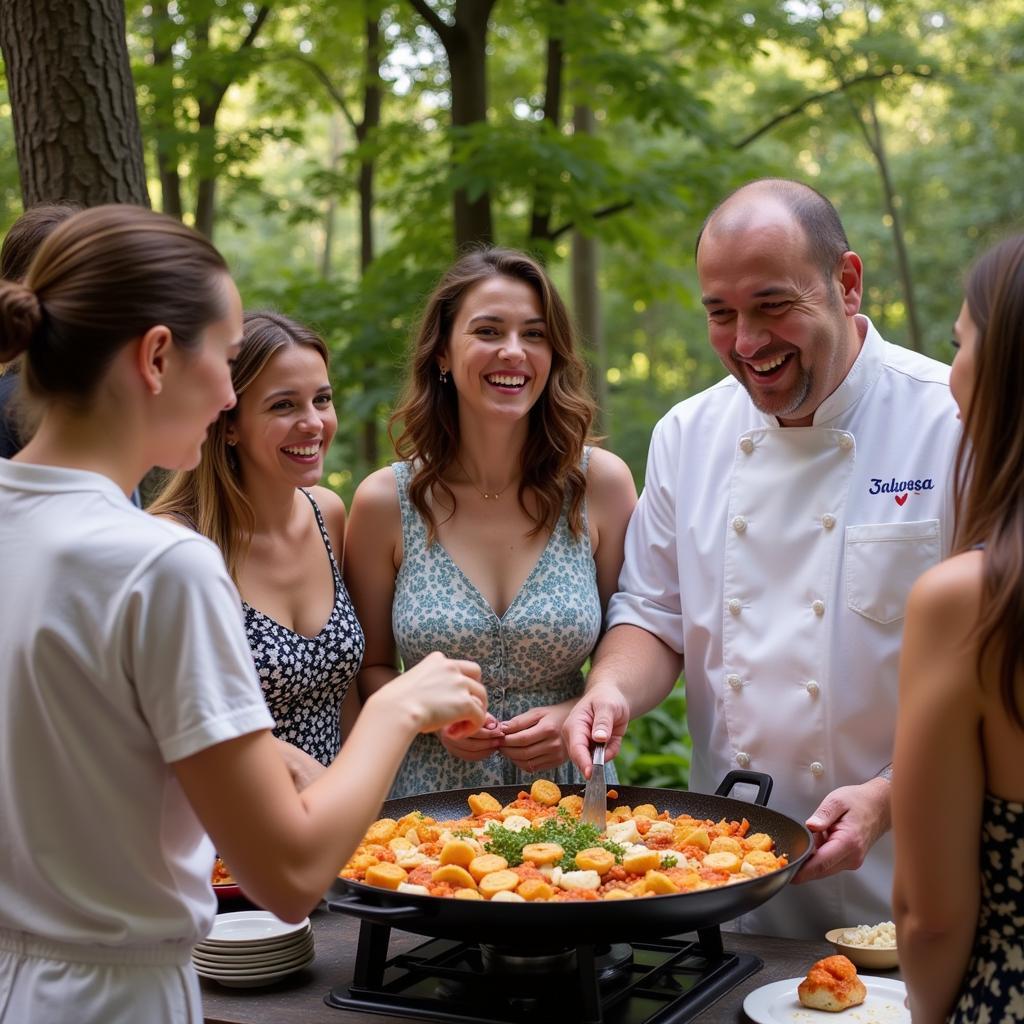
(586, 298)
(465, 43)
(163, 116)
(372, 102)
(540, 218)
(76, 126)
(872, 129)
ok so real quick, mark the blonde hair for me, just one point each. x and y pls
(210, 498)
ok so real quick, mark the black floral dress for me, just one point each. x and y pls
(305, 679)
(993, 988)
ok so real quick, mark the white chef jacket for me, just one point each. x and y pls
(778, 561)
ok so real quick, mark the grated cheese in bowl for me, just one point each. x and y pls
(872, 936)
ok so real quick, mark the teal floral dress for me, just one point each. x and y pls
(529, 657)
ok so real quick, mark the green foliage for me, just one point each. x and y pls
(571, 834)
(656, 747)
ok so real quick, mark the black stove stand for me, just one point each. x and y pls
(667, 981)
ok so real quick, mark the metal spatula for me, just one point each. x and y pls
(595, 798)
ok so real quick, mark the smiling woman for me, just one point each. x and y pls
(254, 494)
(499, 535)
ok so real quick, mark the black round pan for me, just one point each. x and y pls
(539, 925)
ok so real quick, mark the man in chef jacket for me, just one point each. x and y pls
(786, 512)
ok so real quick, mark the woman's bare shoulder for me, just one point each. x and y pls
(949, 592)
(332, 508)
(378, 492)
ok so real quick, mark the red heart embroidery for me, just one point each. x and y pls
(901, 498)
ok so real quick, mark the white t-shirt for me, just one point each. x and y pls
(121, 651)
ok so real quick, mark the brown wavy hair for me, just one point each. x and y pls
(989, 477)
(560, 421)
(210, 498)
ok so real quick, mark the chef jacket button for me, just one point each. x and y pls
(734, 680)
(735, 606)
(828, 520)
(813, 688)
(746, 446)
(739, 524)
(818, 607)
(817, 768)
(743, 759)
(845, 442)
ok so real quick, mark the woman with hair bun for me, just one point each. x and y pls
(958, 787)
(499, 536)
(254, 495)
(131, 719)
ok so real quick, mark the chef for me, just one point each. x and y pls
(786, 512)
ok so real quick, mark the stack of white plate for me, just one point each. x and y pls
(252, 947)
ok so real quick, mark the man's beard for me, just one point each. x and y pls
(781, 405)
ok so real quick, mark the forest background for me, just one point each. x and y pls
(340, 152)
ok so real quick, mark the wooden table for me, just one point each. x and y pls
(300, 998)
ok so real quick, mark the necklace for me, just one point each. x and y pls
(486, 495)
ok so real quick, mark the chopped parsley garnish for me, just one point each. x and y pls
(670, 861)
(462, 833)
(571, 835)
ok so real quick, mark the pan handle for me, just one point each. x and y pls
(352, 904)
(763, 782)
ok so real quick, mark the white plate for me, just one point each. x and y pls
(202, 957)
(300, 958)
(254, 948)
(777, 1003)
(258, 926)
(252, 980)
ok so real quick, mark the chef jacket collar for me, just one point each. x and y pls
(863, 373)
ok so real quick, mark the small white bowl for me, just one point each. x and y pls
(873, 958)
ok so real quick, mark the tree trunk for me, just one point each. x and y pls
(876, 142)
(467, 62)
(372, 101)
(76, 126)
(586, 298)
(163, 116)
(540, 218)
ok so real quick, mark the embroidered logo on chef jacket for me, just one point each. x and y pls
(899, 489)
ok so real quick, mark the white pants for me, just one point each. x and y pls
(44, 982)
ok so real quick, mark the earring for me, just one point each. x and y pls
(443, 376)
(232, 442)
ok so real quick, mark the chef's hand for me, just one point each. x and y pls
(600, 716)
(845, 826)
(302, 768)
(533, 741)
(477, 745)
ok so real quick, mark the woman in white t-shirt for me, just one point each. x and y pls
(131, 719)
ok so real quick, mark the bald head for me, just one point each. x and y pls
(776, 201)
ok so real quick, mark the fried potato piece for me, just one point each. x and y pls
(699, 838)
(535, 889)
(386, 876)
(758, 841)
(543, 853)
(544, 792)
(659, 884)
(639, 862)
(486, 864)
(726, 844)
(507, 896)
(618, 894)
(466, 894)
(381, 831)
(457, 851)
(723, 860)
(400, 844)
(454, 875)
(761, 860)
(483, 803)
(596, 858)
(645, 811)
(498, 881)
(573, 804)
